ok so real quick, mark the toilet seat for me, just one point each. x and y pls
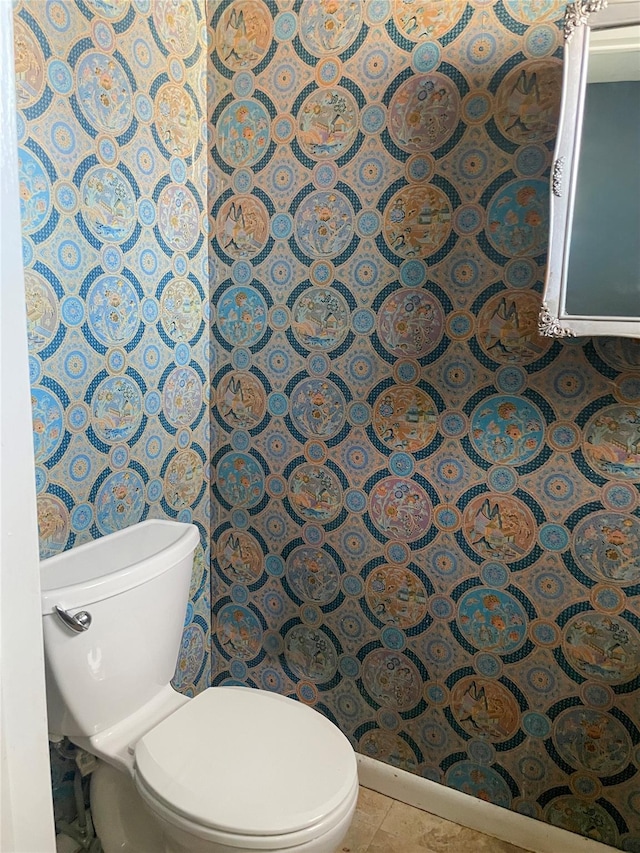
(334, 821)
(248, 767)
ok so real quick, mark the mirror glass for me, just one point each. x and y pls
(603, 275)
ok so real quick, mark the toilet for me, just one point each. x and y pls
(233, 769)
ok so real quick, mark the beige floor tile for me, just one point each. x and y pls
(420, 827)
(371, 810)
(434, 834)
(487, 844)
(474, 842)
(359, 837)
(385, 842)
(383, 825)
(493, 845)
(373, 805)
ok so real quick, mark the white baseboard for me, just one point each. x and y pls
(468, 811)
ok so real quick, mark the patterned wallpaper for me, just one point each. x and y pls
(428, 515)
(425, 519)
(113, 186)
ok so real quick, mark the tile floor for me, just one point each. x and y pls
(383, 825)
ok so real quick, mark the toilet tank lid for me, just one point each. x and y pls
(114, 563)
(248, 762)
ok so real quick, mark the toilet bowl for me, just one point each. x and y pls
(233, 769)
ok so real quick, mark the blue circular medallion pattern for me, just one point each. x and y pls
(243, 133)
(120, 501)
(324, 224)
(240, 480)
(113, 308)
(242, 316)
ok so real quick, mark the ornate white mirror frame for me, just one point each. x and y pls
(583, 18)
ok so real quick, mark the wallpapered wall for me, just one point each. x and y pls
(425, 517)
(428, 514)
(113, 171)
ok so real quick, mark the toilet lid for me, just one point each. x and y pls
(247, 762)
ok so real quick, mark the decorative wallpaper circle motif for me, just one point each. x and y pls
(108, 204)
(602, 648)
(483, 707)
(577, 815)
(180, 309)
(315, 493)
(417, 221)
(423, 112)
(327, 123)
(389, 747)
(183, 479)
(518, 217)
(48, 423)
(243, 226)
(410, 323)
(113, 310)
(328, 27)
(116, 409)
(535, 11)
(35, 192)
(492, 620)
(182, 396)
(53, 525)
(324, 223)
(29, 65)
(392, 680)
(178, 217)
(320, 318)
(176, 118)
(104, 92)
(507, 328)
(240, 556)
(318, 408)
(112, 9)
(120, 501)
(479, 781)
(240, 480)
(313, 574)
(243, 133)
(606, 545)
(176, 24)
(239, 631)
(611, 442)
(499, 527)
(592, 741)
(507, 430)
(620, 353)
(310, 653)
(396, 596)
(400, 509)
(42, 310)
(242, 315)
(527, 102)
(428, 19)
(190, 656)
(241, 400)
(243, 34)
(404, 418)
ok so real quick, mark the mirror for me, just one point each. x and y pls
(593, 273)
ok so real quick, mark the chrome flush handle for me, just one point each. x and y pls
(79, 622)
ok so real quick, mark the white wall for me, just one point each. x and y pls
(26, 813)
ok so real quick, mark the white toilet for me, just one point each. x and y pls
(231, 770)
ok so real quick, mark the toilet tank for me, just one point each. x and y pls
(135, 585)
